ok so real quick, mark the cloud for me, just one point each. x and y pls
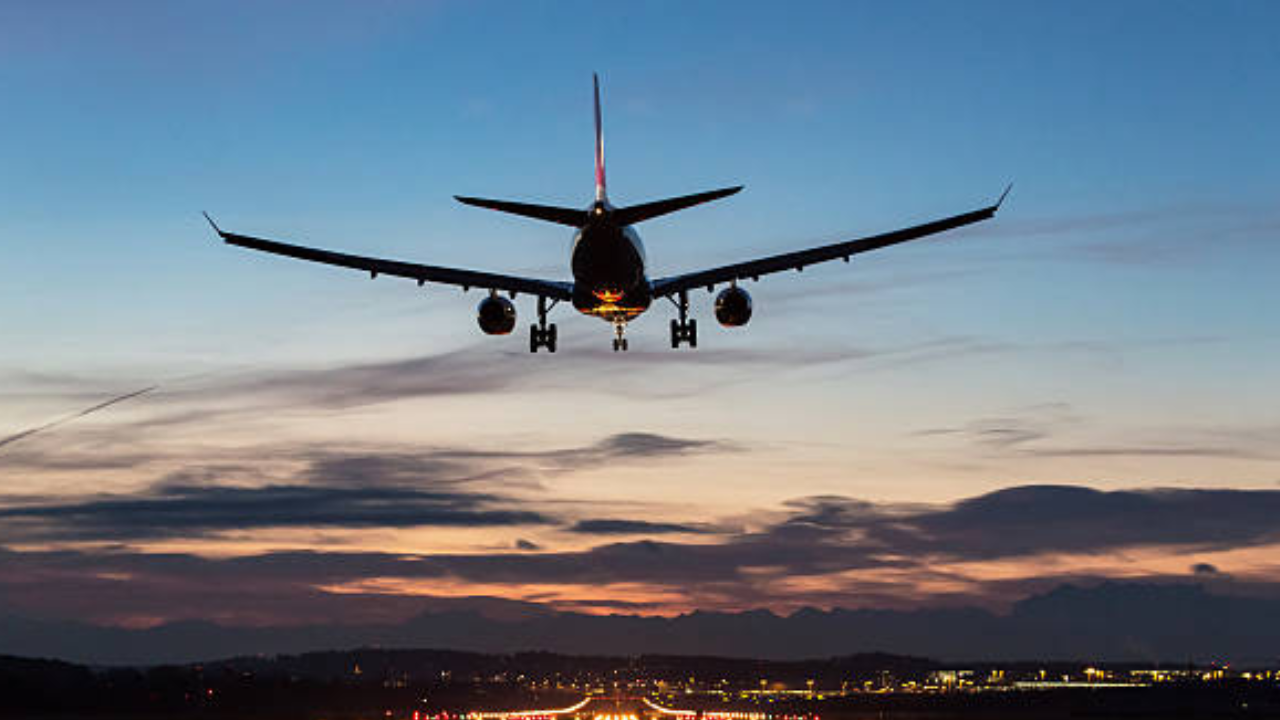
(1171, 450)
(826, 550)
(819, 535)
(1041, 519)
(645, 445)
(633, 527)
(1040, 432)
(474, 370)
(190, 511)
(831, 535)
(212, 398)
(331, 488)
(1154, 237)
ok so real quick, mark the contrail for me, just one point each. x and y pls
(87, 411)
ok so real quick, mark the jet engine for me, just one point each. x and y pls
(496, 315)
(733, 306)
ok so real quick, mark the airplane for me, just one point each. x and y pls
(608, 261)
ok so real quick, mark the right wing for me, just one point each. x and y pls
(799, 259)
(422, 273)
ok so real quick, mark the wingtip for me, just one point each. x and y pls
(1003, 195)
(212, 224)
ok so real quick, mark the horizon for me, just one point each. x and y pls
(1078, 391)
(1113, 623)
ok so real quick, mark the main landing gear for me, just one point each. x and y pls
(619, 342)
(543, 334)
(683, 330)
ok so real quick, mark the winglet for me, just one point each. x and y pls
(1003, 195)
(212, 224)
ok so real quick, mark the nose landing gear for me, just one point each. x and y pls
(619, 342)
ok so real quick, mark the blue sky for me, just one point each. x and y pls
(1114, 327)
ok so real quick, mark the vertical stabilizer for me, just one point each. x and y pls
(600, 185)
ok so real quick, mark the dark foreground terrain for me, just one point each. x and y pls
(405, 684)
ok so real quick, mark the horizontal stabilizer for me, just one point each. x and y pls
(645, 211)
(572, 217)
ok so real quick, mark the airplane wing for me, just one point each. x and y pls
(422, 273)
(799, 259)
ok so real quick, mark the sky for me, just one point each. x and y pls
(1082, 389)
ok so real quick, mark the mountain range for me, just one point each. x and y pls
(1116, 622)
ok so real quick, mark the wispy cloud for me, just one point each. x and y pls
(1056, 430)
(389, 487)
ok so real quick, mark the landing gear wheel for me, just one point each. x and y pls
(542, 337)
(683, 330)
(542, 334)
(619, 327)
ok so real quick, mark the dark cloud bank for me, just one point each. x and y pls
(819, 534)
(821, 539)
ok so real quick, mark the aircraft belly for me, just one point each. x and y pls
(611, 308)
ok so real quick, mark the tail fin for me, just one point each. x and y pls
(600, 184)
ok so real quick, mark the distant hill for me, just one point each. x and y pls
(1110, 622)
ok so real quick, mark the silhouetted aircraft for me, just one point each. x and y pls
(608, 263)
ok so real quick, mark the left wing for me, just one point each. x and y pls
(798, 260)
(422, 273)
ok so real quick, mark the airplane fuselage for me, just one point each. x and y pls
(608, 265)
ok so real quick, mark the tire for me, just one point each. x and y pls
(533, 338)
(551, 339)
(675, 336)
(693, 333)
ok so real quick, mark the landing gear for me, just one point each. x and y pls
(683, 330)
(619, 342)
(543, 334)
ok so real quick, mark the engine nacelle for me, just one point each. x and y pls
(733, 306)
(496, 315)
